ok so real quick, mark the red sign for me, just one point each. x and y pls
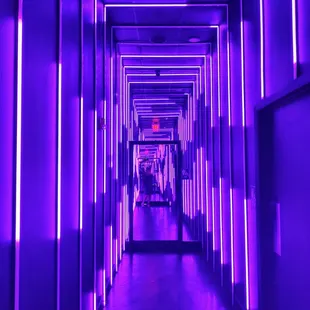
(155, 125)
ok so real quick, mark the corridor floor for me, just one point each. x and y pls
(163, 282)
(156, 223)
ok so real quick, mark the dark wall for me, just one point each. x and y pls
(292, 147)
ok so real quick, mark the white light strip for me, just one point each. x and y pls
(18, 126)
(81, 161)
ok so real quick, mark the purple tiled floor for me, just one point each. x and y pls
(163, 282)
(156, 223)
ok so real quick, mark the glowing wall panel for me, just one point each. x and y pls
(7, 154)
(69, 240)
(38, 157)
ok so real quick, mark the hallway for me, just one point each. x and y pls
(202, 107)
(166, 282)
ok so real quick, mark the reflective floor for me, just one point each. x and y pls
(163, 282)
(156, 223)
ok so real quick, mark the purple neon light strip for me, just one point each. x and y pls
(105, 149)
(59, 145)
(111, 255)
(81, 161)
(161, 67)
(247, 289)
(18, 122)
(294, 32)
(111, 113)
(212, 125)
(220, 149)
(120, 229)
(116, 255)
(158, 5)
(262, 48)
(59, 151)
(231, 203)
(163, 56)
(201, 181)
(18, 151)
(104, 287)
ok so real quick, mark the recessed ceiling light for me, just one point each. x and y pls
(194, 40)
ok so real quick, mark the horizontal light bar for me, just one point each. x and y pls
(150, 99)
(161, 82)
(163, 56)
(165, 27)
(162, 74)
(162, 67)
(164, 5)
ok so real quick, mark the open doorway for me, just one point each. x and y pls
(155, 191)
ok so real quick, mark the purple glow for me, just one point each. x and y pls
(161, 67)
(81, 161)
(104, 288)
(158, 5)
(213, 219)
(111, 112)
(244, 168)
(59, 151)
(201, 183)
(207, 196)
(221, 220)
(278, 230)
(232, 249)
(160, 82)
(162, 74)
(220, 150)
(219, 73)
(262, 54)
(111, 255)
(95, 157)
(18, 123)
(95, 12)
(211, 90)
(104, 147)
(120, 228)
(142, 5)
(163, 56)
(294, 32)
(116, 255)
(232, 237)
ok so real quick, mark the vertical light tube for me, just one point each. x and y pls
(59, 132)
(59, 151)
(206, 149)
(212, 127)
(247, 290)
(111, 112)
(18, 119)
(104, 287)
(232, 246)
(201, 179)
(262, 48)
(105, 148)
(95, 154)
(120, 230)
(81, 161)
(220, 143)
(294, 32)
(81, 151)
(18, 148)
(111, 255)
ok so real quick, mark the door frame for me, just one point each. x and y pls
(178, 189)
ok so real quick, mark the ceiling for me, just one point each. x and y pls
(160, 38)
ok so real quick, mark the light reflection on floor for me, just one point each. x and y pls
(165, 282)
(156, 223)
